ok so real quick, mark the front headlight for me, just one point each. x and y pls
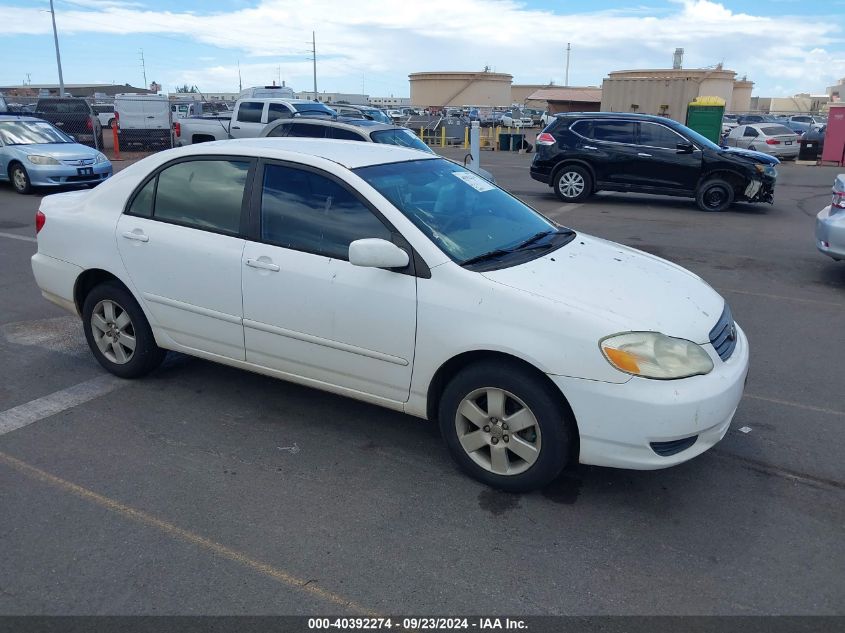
(767, 169)
(101, 158)
(42, 160)
(655, 355)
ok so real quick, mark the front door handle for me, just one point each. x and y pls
(589, 147)
(138, 237)
(257, 263)
(643, 155)
(236, 127)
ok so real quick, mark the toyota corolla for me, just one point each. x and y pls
(401, 279)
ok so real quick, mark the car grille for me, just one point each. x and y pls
(665, 449)
(79, 162)
(723, 335)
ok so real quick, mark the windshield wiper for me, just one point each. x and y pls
(522, 246)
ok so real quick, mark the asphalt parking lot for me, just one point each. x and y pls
(206, 490)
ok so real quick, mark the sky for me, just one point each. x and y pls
(370, 46)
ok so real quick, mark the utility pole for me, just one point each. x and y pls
(58, 56)
(240, 81)
(566, 79)
(314, 59)
(143, 68)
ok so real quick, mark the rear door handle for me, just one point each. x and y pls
(257, 263)
(138, 237)
(644, 155)
(235, 127)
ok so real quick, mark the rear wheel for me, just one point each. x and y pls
(714, 195)
(573, 183)
(505, 427)
(118, 332)
(19, 178)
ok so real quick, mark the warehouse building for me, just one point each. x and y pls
(568, 99)
(442, 89)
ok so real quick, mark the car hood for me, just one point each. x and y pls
(59, 151)
(628, 289)
(752, 156)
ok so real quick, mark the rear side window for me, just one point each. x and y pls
(750, 131)
(613, 131)
(308, 212)
(656, 135)
(280, 130)
(250, 111)
(204, 194)
(344, 135)
(307, 130)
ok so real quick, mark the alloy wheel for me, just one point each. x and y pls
(571, 184)
(498, 431)
(113, 331)
(19, 178)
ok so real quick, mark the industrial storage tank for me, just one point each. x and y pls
(441, 89)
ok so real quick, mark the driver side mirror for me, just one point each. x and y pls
(684, 148)
(377, 253)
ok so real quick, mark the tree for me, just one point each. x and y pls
(186, 88)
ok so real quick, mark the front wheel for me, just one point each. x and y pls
(573, 183)
(714, 195)
(505, 427)
(20, 179)
(118, 332)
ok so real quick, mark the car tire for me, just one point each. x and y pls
(474, 413)
(114, 322)
(714, 195)
(573, 183)
(19, 178)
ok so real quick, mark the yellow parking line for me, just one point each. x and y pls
(139, 516)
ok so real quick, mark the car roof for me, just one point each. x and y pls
(341, 122)
(615, 115)
(350, 155)
(14, 117)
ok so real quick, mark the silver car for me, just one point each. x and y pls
(830, 223)
(769, 138)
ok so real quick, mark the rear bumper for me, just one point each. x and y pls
(629, 425)
(56, 279)
(830, 233)
(541, 170)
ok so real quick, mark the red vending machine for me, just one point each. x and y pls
(834, 137)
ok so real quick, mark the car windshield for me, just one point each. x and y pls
(377, 115)
(31, 133)
(400, 136)
(466, 216)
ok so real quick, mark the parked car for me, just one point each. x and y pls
(583, 152)
(515, 118)
(347, 129)
(546, 119)
(812, 143)
(769, 138)
(73, 116)
(402, 279)
(362, 112)
(143, 119)
(105, 114)
(729, 122)
(744, 119)
(34, 153)
(830, 223)
(251, 115)
(4, 107)
(396, 115)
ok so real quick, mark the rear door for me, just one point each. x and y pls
(246, 123)
(609, 147)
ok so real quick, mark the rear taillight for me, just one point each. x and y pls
(40, 219)
(544, 138)
(177, 129)
(772, 141)
(89, 125)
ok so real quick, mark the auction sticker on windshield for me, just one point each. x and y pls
(474, 180)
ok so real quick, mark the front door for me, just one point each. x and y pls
(307, 311)
(247, 120)
(660, 165)
(180, 241)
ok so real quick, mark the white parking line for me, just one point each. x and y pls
(782, 297)
(797, 405)
(56, 402)
(15, 236)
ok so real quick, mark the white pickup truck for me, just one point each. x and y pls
(247, 120)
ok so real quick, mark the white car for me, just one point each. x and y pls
(402, 279)
(770, 138)
(830, 223)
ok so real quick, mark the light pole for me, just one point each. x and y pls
(58, 56)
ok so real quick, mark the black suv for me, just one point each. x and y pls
(580, 153)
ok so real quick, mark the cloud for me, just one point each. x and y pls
(388, 39)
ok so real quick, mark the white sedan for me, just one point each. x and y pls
(402, 279)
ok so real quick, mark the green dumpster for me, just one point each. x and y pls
(504, 142)
(704, 115)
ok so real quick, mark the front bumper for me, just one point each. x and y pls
(56, 175)
(830, 233)
(619, 422)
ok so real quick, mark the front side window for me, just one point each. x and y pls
(465, 215)
(307, 130)
(656, 135)
(250, 112)
(278, 111)
(204, 194)
(309, 212)
(344, 135)
(280, 130)
(142, 204)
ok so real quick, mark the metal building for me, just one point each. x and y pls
(440, 89)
